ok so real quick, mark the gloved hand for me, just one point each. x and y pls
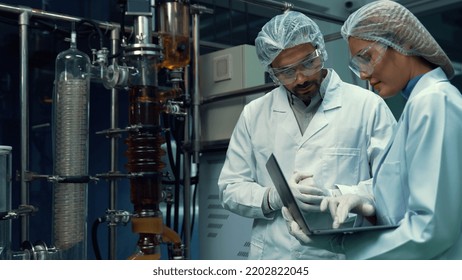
(306, 192)
(340, 206)
(326, 242)
(294, 229)
(273, 199)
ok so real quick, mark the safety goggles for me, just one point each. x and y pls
(365, 60)
(307, 66)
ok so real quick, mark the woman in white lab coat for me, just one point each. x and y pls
(419, 182)
(342, 143)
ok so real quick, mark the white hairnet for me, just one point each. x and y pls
(395, 26)
(285, 31)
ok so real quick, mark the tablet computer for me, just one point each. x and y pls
(289, 201)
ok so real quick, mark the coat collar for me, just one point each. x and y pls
(431, 78)
(286, 119)
(332, 97)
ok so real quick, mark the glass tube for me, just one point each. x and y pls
(72, 83)
(174, 25)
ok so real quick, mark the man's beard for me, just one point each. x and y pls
(306, 96)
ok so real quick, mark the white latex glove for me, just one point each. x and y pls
(320, 241)
(273, 199)
(306, 192)
(340, 206)
(294, 229)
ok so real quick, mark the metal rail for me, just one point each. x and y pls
(289, 6)
(49, 15)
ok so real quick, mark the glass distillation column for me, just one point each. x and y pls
(144, 152)
(70, 149)
(173, 17)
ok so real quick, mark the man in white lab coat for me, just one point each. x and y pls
(314, 123)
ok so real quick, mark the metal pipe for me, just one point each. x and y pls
(112, 238)
(55, 16)
(288, 6)
(187, 175)
(274, 4)
(196, 95)
(332, 37)
(24, 89)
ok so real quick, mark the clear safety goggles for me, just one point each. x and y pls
(365, 60)
(307, 66)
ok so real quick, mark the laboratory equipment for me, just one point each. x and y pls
(71, 116)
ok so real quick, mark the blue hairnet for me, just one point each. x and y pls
(285, 31)
(395, 26)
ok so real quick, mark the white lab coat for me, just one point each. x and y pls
(341, 144)
(419, 183)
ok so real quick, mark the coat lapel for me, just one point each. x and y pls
(287, 134)
(331, 102)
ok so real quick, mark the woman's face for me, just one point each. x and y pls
(389, 71)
